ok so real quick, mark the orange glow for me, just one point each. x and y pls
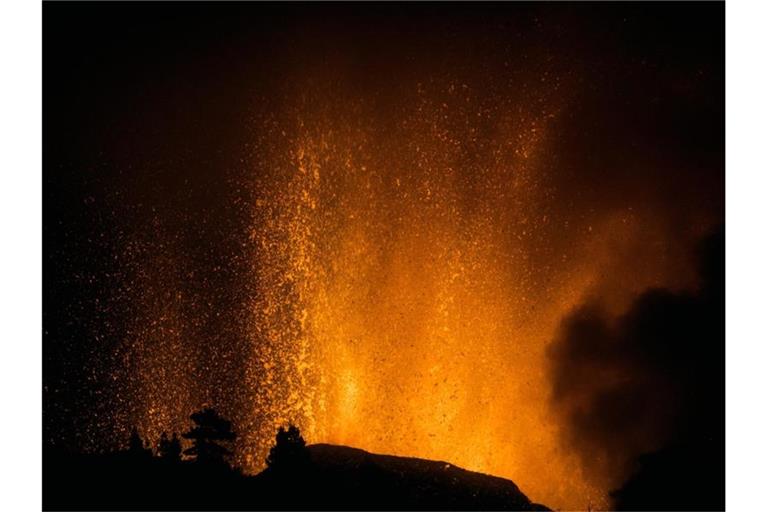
(409, 261)
(406, 286)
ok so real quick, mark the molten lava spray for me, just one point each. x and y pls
(406, 286)
(405, 267)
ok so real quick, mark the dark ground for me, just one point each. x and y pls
(337, 478)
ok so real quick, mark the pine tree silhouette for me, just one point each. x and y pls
(209, 430)
(289, 452)
(169, 449)
(137, 446)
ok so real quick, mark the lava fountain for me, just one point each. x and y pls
(406, 285)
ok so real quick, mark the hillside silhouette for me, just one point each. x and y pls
(297, 477)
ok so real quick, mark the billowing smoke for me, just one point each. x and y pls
(643, 394)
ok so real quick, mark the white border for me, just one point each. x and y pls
(746, 254)
(21, 253)
(21, 283)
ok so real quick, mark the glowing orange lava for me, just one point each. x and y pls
(406, 285)
(410, 258)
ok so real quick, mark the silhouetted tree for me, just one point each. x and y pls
(169, 449)
(289, 452)
(137, 446)
(209, 430)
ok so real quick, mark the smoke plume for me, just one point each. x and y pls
(649, 383)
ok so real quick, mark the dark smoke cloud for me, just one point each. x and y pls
(643, 395)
